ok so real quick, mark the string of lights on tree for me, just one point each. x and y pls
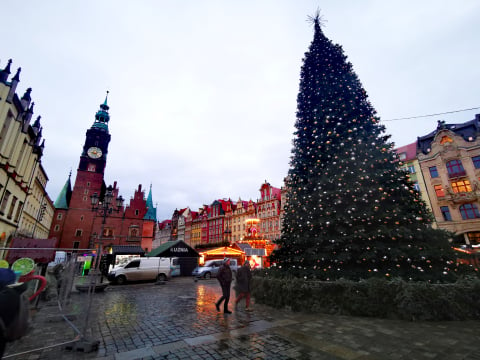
(351, 212)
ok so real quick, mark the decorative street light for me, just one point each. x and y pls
(104, 207)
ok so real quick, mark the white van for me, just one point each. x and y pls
(139, 269)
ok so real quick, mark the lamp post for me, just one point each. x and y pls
(104, 207)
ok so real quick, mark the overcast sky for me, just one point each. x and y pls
(203, 93)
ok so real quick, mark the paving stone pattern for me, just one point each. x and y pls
(178, 320)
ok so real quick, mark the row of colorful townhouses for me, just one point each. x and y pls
(226, 221)
(444, 166)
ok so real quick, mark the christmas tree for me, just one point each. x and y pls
(350, 211)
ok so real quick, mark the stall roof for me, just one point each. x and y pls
(223, 252)
(174, 248)
(127, 250)
(39, 250)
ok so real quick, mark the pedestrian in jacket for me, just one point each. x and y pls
(224, 277)
(244, 277)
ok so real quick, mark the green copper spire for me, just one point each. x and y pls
(151, 211)
(63, 199)
(102, 117)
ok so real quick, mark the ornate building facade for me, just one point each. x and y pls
(25, 208)
(449, 158)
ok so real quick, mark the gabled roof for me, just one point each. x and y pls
(468, 130)
(63, 199)
(410, 151)
(165, 249)
(162, 225)
(151, 210)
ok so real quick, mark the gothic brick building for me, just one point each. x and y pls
(77, 225)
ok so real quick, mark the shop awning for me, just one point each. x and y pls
(41, 251)
(127, 250)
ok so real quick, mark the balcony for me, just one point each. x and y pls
(462, 197)
(457, 174)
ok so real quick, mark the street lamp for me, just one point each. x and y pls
(104, 207)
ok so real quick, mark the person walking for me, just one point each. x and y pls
(224, 277)
(244, 277)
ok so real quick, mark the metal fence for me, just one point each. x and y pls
(71, 287)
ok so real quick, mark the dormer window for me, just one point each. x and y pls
(446, 139)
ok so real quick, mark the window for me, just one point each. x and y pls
(461, 186)
(476, 162)
(19, 211)
(411, 169)
(5, 201)
(59, 216)
(136, 212)
(402, 156)
(416, 186)
(78, 232)
(469, 211)
(107, 232)
(56, 228)
(446, 213)
(12, 207)
(433, 171)
(76, 244)
(455, 168)
(133, 264)
(439, 190)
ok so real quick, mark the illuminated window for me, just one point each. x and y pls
(476, 162)
(461, 186)
(446, 213)
(433, 171)
(474, 237)
(469, 211)
(439, 191)
(446, 139)
(455, 168)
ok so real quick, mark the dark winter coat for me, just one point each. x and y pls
(244, 276)
(224, 275)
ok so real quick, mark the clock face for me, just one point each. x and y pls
(94, 152)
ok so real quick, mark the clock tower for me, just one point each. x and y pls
(91, 168)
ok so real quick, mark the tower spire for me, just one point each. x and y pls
(102, 117)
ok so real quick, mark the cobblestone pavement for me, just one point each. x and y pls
(178, 320)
